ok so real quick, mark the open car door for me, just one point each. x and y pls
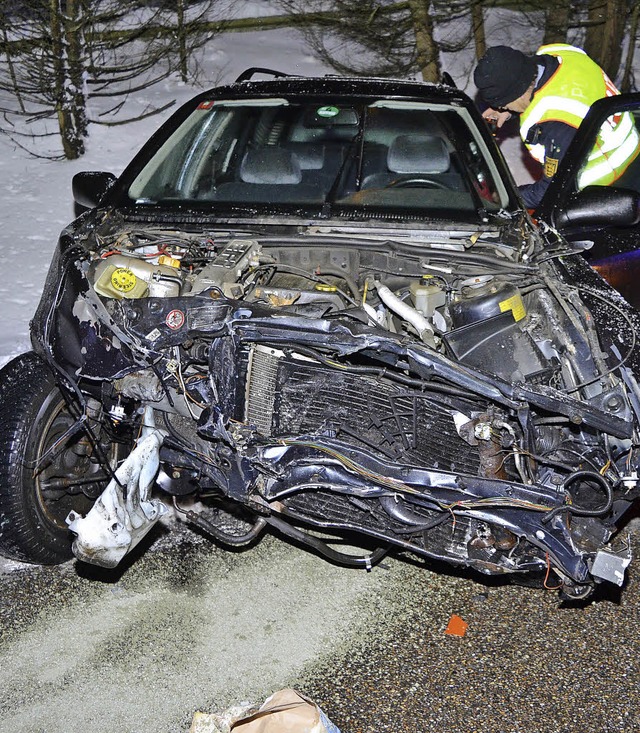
(605, 220)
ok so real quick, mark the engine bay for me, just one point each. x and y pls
(491, 314)
(383, 384)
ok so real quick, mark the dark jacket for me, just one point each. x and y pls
(555, 136)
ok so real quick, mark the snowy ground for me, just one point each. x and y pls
(187, 627)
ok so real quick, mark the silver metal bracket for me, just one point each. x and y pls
(115, 524)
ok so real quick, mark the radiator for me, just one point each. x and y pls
(287, 396)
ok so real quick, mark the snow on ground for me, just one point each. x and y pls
(175, 634)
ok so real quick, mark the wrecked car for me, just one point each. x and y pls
(319, 307)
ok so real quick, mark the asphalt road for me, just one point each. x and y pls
(188, 626)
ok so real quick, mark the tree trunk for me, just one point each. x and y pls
(72, 143)
(12, 71)
(477, 23)
(605, 33)
(76, 97)
(625, 86)
(65, 123)
(182, 41)
(426, 47)
(557, 22)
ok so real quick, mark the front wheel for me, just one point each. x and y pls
(46, 468)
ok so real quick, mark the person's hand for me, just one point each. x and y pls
(496, 116)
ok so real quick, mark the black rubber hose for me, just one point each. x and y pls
(223, 537)
(342, 558)
(336, 272)
(398, 509)
(581, 511)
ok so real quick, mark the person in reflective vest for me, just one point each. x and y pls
(552, 92)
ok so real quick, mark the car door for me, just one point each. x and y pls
(604, 219)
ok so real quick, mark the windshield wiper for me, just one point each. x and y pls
(357, 141)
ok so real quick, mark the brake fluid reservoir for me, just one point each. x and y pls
(427, 295)
(484, 297)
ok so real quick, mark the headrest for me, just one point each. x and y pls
(310, 156)
(415, 154)
(270, 165)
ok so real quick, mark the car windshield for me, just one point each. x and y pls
(389, 157)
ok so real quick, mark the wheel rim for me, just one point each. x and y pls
(63, 469)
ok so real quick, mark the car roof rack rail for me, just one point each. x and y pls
(248, 74)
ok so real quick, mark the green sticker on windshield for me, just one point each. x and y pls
(328, 111)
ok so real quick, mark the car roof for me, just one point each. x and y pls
(361, 88)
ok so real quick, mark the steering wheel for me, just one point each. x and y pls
(417, 182)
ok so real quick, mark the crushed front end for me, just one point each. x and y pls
(437, 392)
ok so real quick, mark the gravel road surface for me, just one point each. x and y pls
(188, 626)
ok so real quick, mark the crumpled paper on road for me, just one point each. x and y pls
(286, 711)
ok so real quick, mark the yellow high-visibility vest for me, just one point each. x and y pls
(566, 97)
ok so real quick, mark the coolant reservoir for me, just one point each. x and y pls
(427, 295)
(484, 297)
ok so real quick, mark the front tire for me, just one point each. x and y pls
(39, 486)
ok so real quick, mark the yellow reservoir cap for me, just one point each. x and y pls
(170, 261)
(120, 282)
(123, 280)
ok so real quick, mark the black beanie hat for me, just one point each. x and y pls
(503, 74)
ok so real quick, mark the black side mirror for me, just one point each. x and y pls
(597, 207)
(90, 186)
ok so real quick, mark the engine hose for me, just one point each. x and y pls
(222, 537)
(336, 272)
(580, 511)
(342, 558)
(406, 312)
(397, 509)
